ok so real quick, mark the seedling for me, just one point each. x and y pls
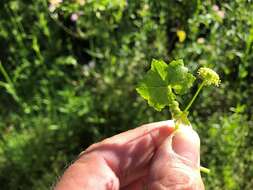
(163, 83)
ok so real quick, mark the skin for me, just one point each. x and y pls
(152, 156)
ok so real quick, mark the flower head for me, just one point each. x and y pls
(181, 35)
(215, 8)
(201, 40)
(55, 2)
(209, 76)
(81, 2)
(218, 11)
(221, 14)
(74, 17)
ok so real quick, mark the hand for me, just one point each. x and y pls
(150, 157)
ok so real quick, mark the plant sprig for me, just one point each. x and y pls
(164, 82)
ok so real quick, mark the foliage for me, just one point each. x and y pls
(227, 136)
(68, 71)
(162, 82)
(220, 37)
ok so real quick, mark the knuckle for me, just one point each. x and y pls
(177, 176)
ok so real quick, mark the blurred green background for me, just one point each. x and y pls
(69, 69)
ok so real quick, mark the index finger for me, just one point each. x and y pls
(128, 154)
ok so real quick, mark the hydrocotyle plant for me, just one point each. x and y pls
(164, 82)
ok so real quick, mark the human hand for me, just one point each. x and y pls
(149, 157)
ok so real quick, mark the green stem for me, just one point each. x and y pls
(12, 89)
(2, 84)
(6, 76)
(194, 97)
(198, 7)
(204, 170)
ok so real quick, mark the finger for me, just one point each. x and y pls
(176, 163)
(164, 127)
(90, 173)
(119, 160)
(129, 153)
(139, 184)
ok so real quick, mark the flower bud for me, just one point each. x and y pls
(209, 76)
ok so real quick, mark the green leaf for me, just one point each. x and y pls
(162, 82)
(179, 78)
(154, 87)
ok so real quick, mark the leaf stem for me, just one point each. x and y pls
(5, 74)
(204, 170)
(11, 90)
(194, 97)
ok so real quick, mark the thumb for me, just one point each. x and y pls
(176, 163)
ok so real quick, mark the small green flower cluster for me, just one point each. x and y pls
(209, 76)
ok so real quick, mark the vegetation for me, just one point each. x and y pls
(163, 83)
(69, 69)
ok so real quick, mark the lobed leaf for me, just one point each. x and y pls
(154, 87)
(179, 77)
(162, 82)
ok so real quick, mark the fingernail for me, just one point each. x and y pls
(186, 143)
